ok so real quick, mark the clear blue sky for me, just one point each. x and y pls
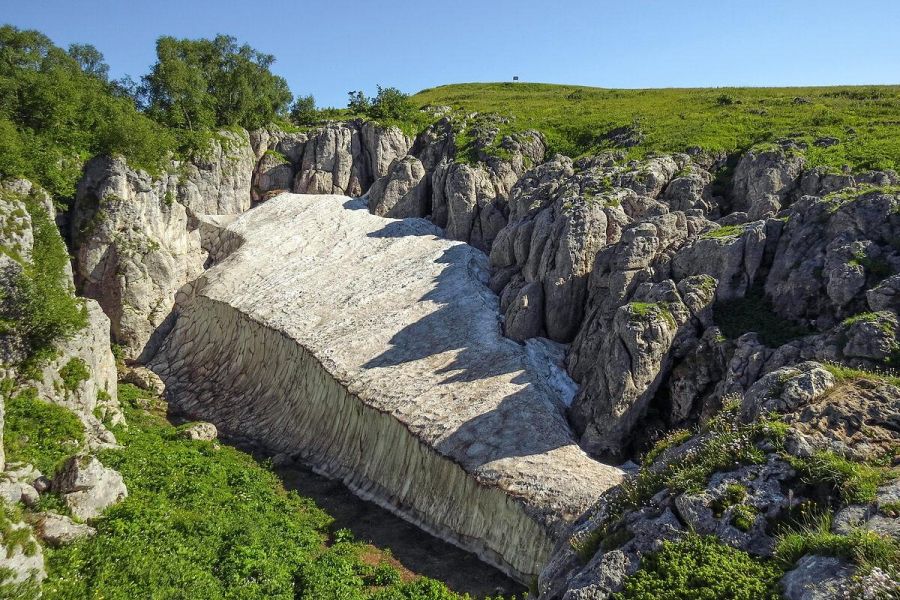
(330, 47)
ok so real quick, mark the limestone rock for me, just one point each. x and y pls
(273, 172)
(786, 389)
(763, 179)
(200, 431)
(87, 487)
(217, 180)
(403, 192)
(22, 556)
(345, 158)
(401, 355)
(816, 578)
(830, 252)
(58, 530)
(96, 393)
(133, 249)
(145, 379)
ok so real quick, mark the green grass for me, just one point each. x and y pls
(574, 118)
(863, 547)
(208, 521)
(844, 373)
(38, 432)
(701, 568)
(726, 231)
(854, 482)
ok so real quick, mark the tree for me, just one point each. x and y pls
(358, 102)
(203, 84)
(90, 60)
(304, 112)
(56, 109)
(391, 103)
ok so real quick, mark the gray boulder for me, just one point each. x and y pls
(403, 192)
(816, 578)
(217, 179)
(763, 179)
(87, 487)
(58, 530)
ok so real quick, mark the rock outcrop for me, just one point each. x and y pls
(338, 158)
(217, 180)
(133, 249)
(394, 377)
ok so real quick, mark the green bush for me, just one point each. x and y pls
(203, 84)
(57, 110)
(73, 373)
(303, 111)
(38, 432)
(42, 306)
(701, 568)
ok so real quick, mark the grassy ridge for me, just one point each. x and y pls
(865, 120)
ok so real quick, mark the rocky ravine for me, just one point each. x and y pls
(371, 349)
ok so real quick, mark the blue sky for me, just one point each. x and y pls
(330, 47)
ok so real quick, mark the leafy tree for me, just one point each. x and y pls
(56, 110)
(90, 60)
(391, 103)
(203, 84)
(358, 102)
(303, 111)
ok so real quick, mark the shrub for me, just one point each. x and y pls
(303, 111)
(38, 432)
(73, 373)
(701, 568)
(41, 304)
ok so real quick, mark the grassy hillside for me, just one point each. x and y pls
(864, 120)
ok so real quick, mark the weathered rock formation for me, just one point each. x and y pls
(392, 376)
(133, 248)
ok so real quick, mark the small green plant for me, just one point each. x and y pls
(734, 494)
(847, 374)
(854, 482)
(724, 232)
(864, 547)
(73, 373)
(701, 568)
(40, 433)
(743, 516)
(670, 440)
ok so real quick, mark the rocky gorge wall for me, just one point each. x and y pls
(394, 377)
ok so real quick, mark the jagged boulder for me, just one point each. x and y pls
(133, 249)
(217, 179)
(831, 251)
(82, 377)
(21, 557)
(816, 578)
(763, 180)
(87, 487)
(403, 192)
(345, 158)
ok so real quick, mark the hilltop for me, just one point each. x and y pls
(840, 126)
